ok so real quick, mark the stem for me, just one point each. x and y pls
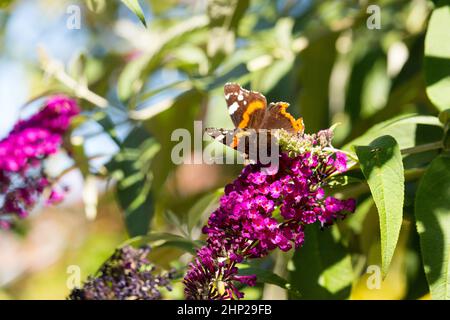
(423, 148)
(271, 291)
(56, 69)
(414, 174)
(74, 167)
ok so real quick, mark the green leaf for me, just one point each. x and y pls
(174, 221)
(105, 121)
(162, 239)
(96, 6)
(239, 12)
(323, 268)
(137, 72)
(408, 131)
(444, 116)
(432, 210)
(381, 164)
(438, 3)
(159, 7)
(129, 82)
(267, 276)
(131, 168)
(437, 58)
(226, 14)
(134, 6)
(356, 220)
(224, 21)
(5, 3)
(317, 64)
(202, 206)
(266, 79)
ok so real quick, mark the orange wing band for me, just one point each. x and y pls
(253, 106)
(296, 124)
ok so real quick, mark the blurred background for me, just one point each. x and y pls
(333, 61)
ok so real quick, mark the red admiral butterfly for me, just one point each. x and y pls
(249, 112)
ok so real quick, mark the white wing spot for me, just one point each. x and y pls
(233, 108)
(227, 96)
(240, 97)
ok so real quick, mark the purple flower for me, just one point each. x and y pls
(23, 151)
(256, 178)
(244, 225)
(127, 275)
(248, 280)
(275, 189)
(55, 197)
(340, 162)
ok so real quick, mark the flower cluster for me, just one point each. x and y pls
(22, 152)
(127, 275)
(262, 210)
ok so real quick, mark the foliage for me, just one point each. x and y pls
(387, 88)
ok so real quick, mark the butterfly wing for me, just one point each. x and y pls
(251, 116)
(277, 117)
(247, 108)
(222, 135)
(239, 140)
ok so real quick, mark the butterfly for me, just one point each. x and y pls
(251, 116)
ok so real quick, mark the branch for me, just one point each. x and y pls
(56, 69)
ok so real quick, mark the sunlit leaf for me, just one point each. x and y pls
(381, 163)
(5, 3)
(129, 81)
(96, 6)
(158, 6)
(323, 268)
(437, 57)
(432, 209)
(134, 6)
(202, 206)
(135, 73)
(407, 131)
(224, 20)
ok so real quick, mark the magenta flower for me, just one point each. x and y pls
(22, 153)
(55, 197)
(245, 225)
